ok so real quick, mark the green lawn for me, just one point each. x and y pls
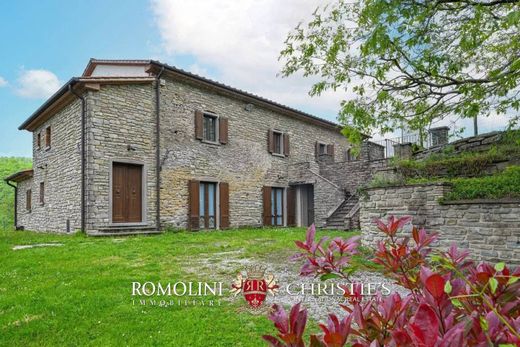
(80, 293)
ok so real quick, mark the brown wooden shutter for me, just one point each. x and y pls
(223, 131)
(28, 202)
(266, 195)
(39, 140)
(193, 205)
(270, 141)
(317, 150)
(42, 193)
(286, 146)
(48, 137)
(291, 206)
(330, 150)
(224, 205)
(199, 127)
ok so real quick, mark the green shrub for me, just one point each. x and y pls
(9, 166)
(468, 164)
(503, 185)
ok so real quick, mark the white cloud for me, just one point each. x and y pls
(3, 82)
(37, 84)
(241, 41)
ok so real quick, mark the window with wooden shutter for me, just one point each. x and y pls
(48, 137)
(266, 197)
(39, 140)
(223, 131)
(286, 149)
(224, 205)
(28, 198)
(276, 142)
(330, 150)
(270, 141)
(193, 205)
(199, 126)
(291, 206)
(42, 193)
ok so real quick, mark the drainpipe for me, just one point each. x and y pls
(83, 155)
(158, 148)
(15, 203)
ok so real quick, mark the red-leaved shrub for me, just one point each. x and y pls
(452, 301)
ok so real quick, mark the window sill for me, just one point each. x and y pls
(48, 148)
(214, 143)
(278, 155)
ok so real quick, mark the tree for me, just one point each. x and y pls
(411, 62)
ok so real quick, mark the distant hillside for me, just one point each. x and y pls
(9, 166)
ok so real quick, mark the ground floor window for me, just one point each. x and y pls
(277, 203)
(207, 205)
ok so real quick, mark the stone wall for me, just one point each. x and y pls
(489, 229)
(350, 175)
(59, 168)
(120, 128)
(481, 142)
(244, 162)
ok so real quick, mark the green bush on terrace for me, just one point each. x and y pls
(502, 185)
(448, 164)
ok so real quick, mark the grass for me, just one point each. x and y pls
(80, 294)
(449, 164)
(9, 166)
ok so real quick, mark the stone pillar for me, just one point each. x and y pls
(403, 150)
(439, 136)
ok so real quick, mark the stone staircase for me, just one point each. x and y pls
(346, 216)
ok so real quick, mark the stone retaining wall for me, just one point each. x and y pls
(482, 142)
(489, 229)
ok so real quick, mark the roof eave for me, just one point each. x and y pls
(242, 93)
(46, 104)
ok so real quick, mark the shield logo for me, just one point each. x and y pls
(254, 286)
(255, 291)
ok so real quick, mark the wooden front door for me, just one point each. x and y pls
(127, 193)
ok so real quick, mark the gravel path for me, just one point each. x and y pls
(226, 265)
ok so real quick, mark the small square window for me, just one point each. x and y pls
(28, 203)
(210, 128)
(277, 142)
(322, 149)
(48, 137)
(42, 193)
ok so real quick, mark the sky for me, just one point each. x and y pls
(45, 43)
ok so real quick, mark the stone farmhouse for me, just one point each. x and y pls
(137, 146)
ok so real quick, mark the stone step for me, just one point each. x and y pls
(125, 231)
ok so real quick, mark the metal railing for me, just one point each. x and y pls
(389, 144)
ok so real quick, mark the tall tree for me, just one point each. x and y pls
(411, 62)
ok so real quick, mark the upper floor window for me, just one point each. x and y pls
(42, 193)
(48, 137)
(211, 128)
(28, 198)
(322, 148)
(278, 143)
(39, 140)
